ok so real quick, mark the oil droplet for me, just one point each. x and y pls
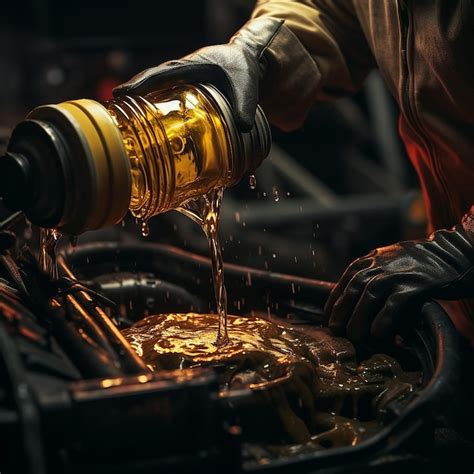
(28, 230)
(145, 229)
(276, 194)
(252, 181)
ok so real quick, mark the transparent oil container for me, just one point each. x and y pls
(86, 163)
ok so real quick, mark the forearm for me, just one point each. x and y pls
(319, 54)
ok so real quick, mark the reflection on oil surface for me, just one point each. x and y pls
(308, 390)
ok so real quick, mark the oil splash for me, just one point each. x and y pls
(205, 211)
(308, 391)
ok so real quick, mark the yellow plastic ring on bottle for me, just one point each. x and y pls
(99, 182)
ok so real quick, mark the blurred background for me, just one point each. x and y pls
(328, 193)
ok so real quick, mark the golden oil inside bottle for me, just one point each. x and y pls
(182, 143)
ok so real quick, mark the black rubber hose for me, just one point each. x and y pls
(129, 360)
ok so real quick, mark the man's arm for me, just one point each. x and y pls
(320, 54)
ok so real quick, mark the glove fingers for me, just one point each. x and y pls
(171, 73)
(370, 303)
(243, 102)
(352, 269)
(153, 78)
(245, 107)
(391, 316)
(343, 308)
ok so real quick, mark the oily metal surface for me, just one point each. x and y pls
(310, 392)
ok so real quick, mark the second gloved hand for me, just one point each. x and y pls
(374, 296)
(235, 68)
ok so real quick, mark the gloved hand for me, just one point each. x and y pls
(373, 296)
(235, 69)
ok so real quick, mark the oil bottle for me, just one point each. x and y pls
(81, 165)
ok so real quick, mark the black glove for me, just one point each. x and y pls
(235, 68)
(375, 293)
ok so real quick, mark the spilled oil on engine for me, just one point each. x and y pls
(309, 390)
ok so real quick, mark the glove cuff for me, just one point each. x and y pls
(289, 77)
(256, 36)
